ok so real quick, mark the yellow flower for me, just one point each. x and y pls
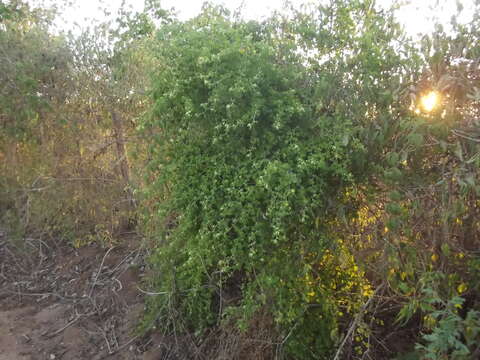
(367, 290)
(434, 257)
(462, 288)
(429, 321)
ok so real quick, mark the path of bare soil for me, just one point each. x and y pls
(57, 302)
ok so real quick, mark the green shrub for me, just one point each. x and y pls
(254, 146)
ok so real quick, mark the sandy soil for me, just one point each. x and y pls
(57, 302)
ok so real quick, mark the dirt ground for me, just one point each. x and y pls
(58, 302)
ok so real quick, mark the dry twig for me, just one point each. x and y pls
(99, 271)
(354, 324)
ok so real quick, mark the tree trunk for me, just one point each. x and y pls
(122, 161)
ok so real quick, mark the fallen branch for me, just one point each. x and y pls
(67, 325)
(99, 271)
(152, 293)
(123, 345)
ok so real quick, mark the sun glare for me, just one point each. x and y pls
(430, 101)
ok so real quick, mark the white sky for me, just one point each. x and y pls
(416, 15)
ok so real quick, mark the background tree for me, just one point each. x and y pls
(69, 110)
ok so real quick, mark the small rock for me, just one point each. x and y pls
(52, 357)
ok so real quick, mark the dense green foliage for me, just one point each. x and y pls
(267, 131)
(253, 165)
(301, 198)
